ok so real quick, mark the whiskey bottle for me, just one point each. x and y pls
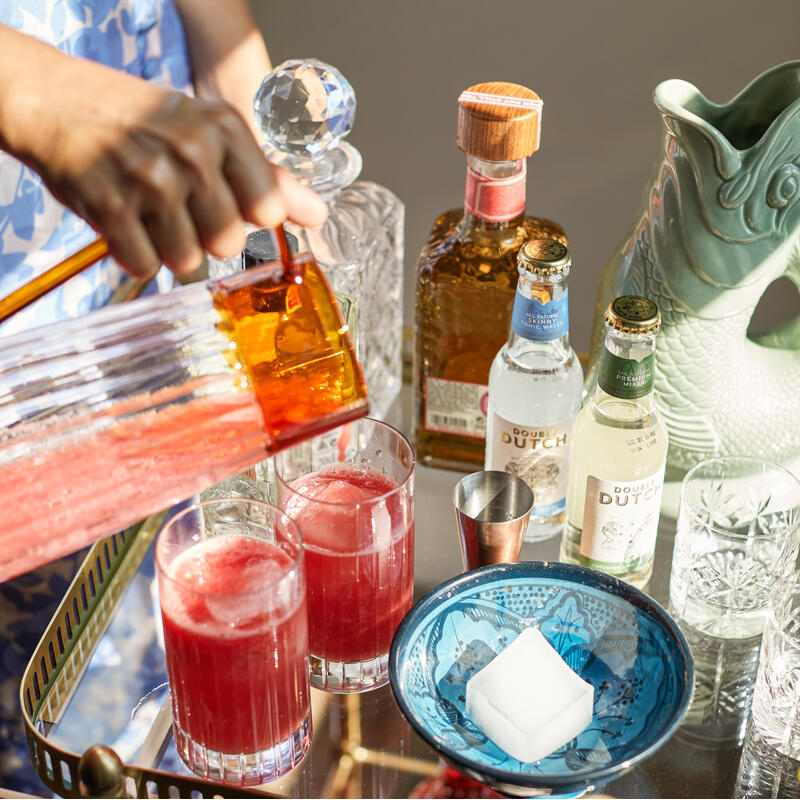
(467, 274)
(535, 387)
(619, 451)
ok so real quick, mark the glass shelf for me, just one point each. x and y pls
(101, 677)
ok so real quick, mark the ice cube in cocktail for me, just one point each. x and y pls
(357, 526)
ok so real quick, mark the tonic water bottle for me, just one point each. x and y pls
(535, 386)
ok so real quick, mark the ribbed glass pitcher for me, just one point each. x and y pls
(127, 410)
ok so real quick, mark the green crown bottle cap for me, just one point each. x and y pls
(633, 314)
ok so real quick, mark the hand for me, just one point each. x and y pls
(159, 175)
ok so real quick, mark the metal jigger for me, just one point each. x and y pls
(492, 510)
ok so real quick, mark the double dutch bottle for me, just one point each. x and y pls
(619, 452)
(535, 385)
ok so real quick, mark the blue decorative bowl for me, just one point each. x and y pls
(614, 636)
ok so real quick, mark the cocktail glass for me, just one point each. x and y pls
(737, 535)
(770, 763)
(231, 578)
(353, 498)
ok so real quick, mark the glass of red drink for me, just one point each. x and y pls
(352, 495)
(232, 584)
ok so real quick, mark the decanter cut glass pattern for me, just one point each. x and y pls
(305, 108)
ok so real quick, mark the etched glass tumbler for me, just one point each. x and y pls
(354, 503)
(232, 586)
(737, 536)
(770, 763)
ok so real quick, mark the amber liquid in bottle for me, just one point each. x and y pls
(275, 324)
(467, 274)
(466, 280)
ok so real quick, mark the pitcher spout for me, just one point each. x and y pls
(692, 120)
(743, 156)
(741, 123)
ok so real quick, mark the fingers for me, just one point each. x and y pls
(230, 183)
(269, 195)
(168, 185)
(266, 194)
(95, 195)
(175, 239)
(303, 206)
(250, 176)
(217, 221)
(132, 248)
(161, 194)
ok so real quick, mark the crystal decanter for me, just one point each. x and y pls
(305, 108)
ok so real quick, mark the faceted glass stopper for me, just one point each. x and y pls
(304, 107)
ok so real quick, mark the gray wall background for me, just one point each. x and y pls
(595, 64)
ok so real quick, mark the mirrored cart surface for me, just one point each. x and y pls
(109, 686)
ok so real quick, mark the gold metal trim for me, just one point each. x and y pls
(345, 773)
(62, 655)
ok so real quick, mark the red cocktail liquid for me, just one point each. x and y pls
(151, 457)
(236, 662)
(358, 536)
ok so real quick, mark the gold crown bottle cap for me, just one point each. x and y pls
(544, 257)
(633, 314)
(499, 121)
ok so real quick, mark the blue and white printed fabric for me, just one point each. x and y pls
(143, 38)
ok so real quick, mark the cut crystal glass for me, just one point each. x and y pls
(304, 108)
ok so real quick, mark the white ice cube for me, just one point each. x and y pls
(527, 700)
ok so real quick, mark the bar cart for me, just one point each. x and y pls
(98, 676)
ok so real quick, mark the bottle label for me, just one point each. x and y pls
(626, 378)
(620, 522)
(540, 322)
(538, 455)
(456, 407)
(532, 103)
(495, 199)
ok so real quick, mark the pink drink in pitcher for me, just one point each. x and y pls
(111, 417)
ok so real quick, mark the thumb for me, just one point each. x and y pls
(303, 206)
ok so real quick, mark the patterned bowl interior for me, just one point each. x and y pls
(611, 634)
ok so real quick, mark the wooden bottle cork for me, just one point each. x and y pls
(499, 121)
